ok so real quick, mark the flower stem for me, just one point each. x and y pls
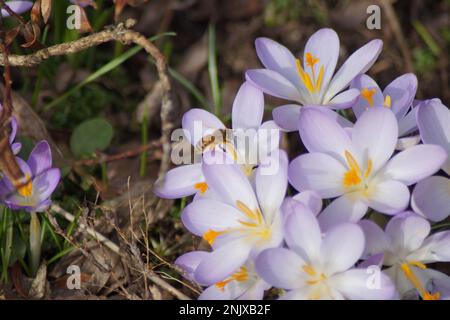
(35, 242)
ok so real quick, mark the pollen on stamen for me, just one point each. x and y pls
(367, 94)
(25, 189)
(201, 186)
(387, 101)
(211, 235)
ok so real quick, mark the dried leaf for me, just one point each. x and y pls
(85, 25)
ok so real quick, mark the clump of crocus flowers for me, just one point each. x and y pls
(390, 157)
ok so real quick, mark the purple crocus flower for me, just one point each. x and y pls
(358, 170)
(41, 180)
(407, 248)
(320, 266)
(311, 82)
(398, 96)
(431, 197)
(18, 7)
(199, 125)
(244, 284)
(243, 222)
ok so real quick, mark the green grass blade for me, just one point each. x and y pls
(190, 87)
(426, 37)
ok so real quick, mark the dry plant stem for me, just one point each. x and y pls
(124, 35)
(115, 248)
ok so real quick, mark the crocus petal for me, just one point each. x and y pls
(40, 158)
(346, 208)
(341, 247)
(229, 181)
(46, 183)
(256, 291)
(203, 215)
(273, 83)
(14, 127)
(214, 293)
(324, 45)
(358, 63)
(281, 268)
(356, 284)
(407, 124)
(363, 82)
(18, 7)
(318, 172)
(389, 197)
(248, 107)
(435, 248)
(376, 240)
(268, 140)
(287, 116)
(402, 91)
(302, 233)
(344, 99)
(431, 198)
(277, 57)
(271, 184)
(188, 262)
(375, 136)
(415, 163)
(180, 182)
(222, 262)
(433, 119)
(198, 123)
(321, 133)
(407, 232)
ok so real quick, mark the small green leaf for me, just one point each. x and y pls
(90, 136)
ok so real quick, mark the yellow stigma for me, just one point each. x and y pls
(25, 189)
(416, 282)
(211, 235)
(354, 175)
(240, 276)
(314, 84)
(369, 169)
(367, 94)
(311, 60)
(309, 270)
(201, 186)
(387, 101)
(252, 215)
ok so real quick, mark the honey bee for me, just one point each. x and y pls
(210, 141)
